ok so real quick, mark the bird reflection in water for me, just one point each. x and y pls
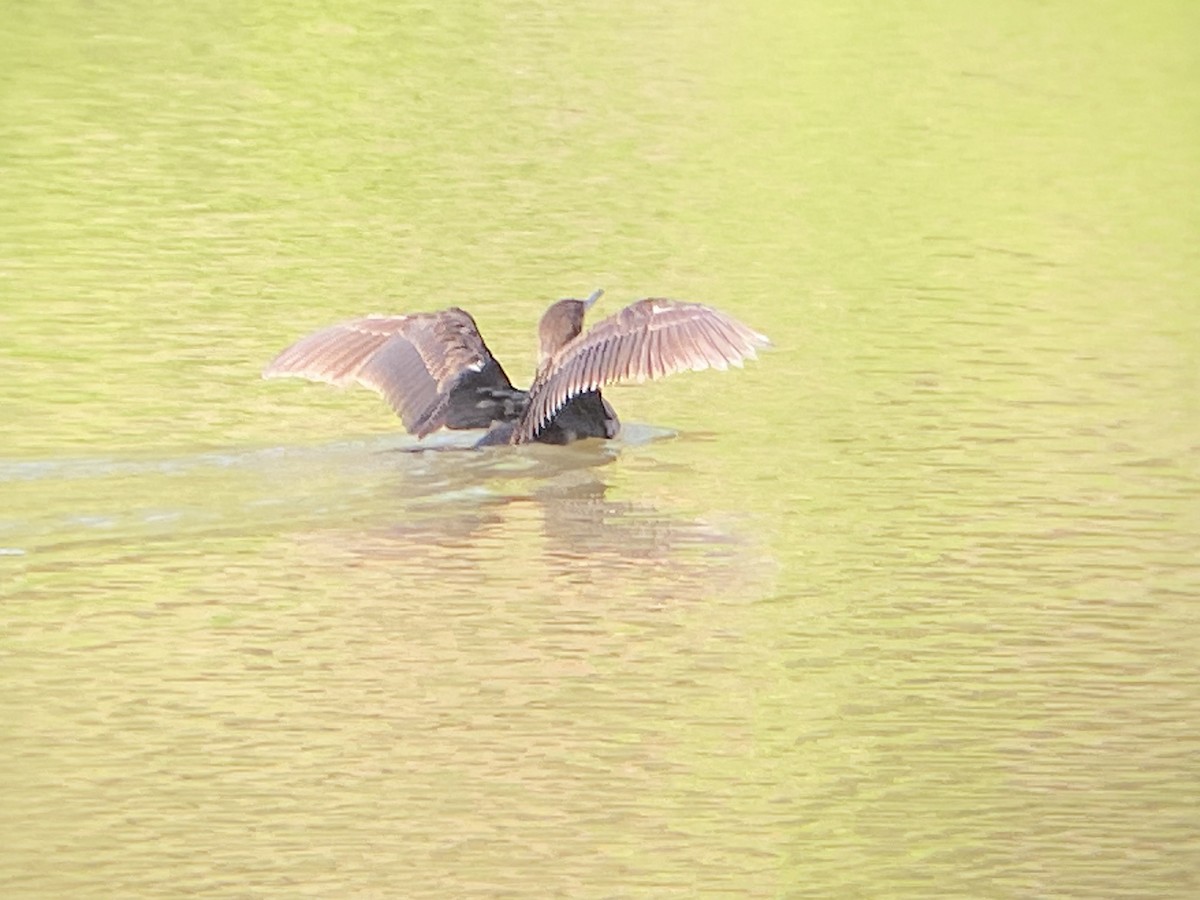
(527, 522)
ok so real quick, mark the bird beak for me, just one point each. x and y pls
(595, 295)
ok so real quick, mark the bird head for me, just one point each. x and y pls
(561, 324)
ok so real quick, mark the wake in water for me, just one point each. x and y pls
(68, 501)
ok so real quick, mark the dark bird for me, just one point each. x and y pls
(436, 372)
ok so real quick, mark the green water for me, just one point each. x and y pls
(906, 608)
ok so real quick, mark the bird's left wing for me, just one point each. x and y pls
(416, 362)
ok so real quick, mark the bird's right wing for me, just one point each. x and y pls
(648, 339)
(415, 362)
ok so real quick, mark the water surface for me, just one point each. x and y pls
(906, 608)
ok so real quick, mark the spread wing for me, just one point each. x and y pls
(420, 363)
(647, 339)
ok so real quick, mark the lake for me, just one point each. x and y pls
(904, 608)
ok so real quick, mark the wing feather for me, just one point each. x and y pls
(691, 342)
(712, 343)
(623, 353)
(642, 366)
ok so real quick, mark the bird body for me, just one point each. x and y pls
(435, 370)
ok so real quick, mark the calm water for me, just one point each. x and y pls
(907, 608)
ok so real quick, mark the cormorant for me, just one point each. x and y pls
(436, 372)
